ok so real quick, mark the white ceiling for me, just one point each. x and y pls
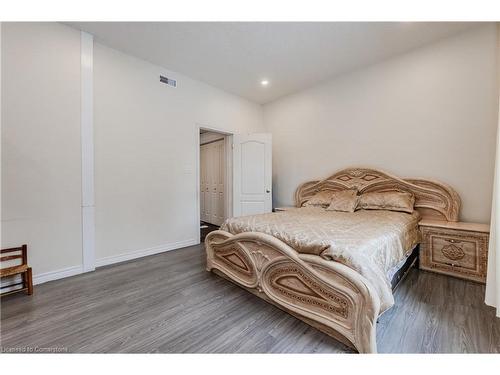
(291, 55)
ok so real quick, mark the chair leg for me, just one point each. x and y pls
(29, 281)
(24, 279)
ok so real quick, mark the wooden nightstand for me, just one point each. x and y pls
(281, 209)
(455, 248)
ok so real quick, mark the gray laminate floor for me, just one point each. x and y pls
(168, 303)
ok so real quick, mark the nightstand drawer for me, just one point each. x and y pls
(454, 252)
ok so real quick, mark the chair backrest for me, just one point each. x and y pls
(14, 254)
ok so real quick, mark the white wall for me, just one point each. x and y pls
(41, 166)
(429, 113)
(146, 139)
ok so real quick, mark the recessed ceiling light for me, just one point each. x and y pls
(264, 82)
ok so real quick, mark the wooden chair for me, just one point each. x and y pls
(21, 269)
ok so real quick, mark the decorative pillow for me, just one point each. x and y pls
(321, 198)
(344, 200)
(390, 200)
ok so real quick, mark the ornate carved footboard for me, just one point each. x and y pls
(325, 294)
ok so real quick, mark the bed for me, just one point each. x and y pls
(333, 270)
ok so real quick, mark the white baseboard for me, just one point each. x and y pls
(144, 252)
(76, 270)
(55, 275)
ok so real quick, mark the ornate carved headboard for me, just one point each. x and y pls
(433, 200)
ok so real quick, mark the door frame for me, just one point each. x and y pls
(228, 193)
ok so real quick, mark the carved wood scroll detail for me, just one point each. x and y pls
(260, 259)
(234, 258)
(452, 252)
(291, 282)
(432, 199)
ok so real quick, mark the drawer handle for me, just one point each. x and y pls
(452, 240)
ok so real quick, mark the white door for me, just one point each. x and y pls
(212, 177)
(252, 174)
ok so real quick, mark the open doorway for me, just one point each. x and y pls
(234, 176)
(215, 180)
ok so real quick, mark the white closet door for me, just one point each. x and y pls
(212, 178)
(203, 183)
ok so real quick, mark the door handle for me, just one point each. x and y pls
(268, 191)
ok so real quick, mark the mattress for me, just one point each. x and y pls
(372, 242)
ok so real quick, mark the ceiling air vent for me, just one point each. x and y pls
(169, 81)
